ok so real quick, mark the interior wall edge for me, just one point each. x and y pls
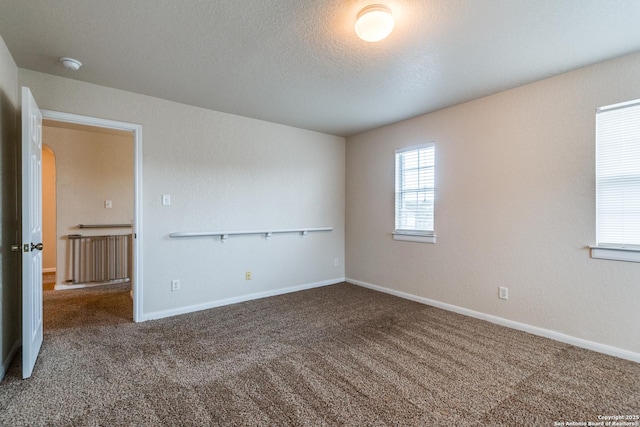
(10, 198)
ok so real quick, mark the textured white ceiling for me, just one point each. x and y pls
(299, 62)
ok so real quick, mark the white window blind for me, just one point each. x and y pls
(618, 176)
(415, 189)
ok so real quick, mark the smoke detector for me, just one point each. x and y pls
(70, 63)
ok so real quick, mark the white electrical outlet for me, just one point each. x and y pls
(247, 275)
(504, 293)
(175, 285)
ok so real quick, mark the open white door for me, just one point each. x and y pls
(31, 232)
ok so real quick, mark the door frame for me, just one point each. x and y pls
(136, 279)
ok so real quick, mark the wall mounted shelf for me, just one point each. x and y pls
(224, 235)
(82, 226)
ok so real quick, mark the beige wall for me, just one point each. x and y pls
(224, 173)
(514, 207)
(48, 209)
(10, 300)
(514, 202)
(92, 166)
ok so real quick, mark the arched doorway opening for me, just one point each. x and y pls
(49, 218)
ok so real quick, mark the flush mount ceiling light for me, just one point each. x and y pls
(70, 63)
(374, 23)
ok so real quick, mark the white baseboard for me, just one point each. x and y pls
(228, 301)
(557, 336)
(7, 360)
(49, 270)
(63, 287)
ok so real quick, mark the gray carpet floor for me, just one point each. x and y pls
(337, 355)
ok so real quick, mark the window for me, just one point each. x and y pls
(618, 182)
(415, 193)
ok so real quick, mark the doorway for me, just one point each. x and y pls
(117, 199)
(94, 213)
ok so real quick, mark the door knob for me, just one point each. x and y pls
(39, 246)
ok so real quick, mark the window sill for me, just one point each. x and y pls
(416, 237)
(615, 254)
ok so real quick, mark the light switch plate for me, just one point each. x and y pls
(166, 199)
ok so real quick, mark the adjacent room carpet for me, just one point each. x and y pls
(337, 355)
